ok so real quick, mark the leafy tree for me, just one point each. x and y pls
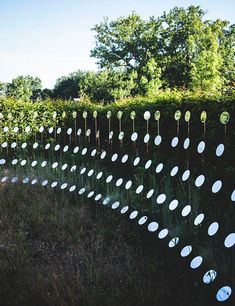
(150, 80)
(226, 37)
(206, 67)
(107, 85)
(25, 88)
(68, 87)
(180, 26)
(177, 50)
(47, 93)
(127, 43)
(2, 89)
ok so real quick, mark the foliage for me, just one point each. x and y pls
(47, 94)
(42, 113)
(179, 27)
(103, 86)
(24, 88)
(177, 49)
(125, 43)
(2, 89)
(69, 87)
(107, 85)
(210, 66)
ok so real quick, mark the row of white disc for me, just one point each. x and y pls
(199, 181)
(134, 136)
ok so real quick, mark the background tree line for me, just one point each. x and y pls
(178, 50)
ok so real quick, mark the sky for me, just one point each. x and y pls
(51, 38)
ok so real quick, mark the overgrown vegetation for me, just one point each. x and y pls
(177, 49)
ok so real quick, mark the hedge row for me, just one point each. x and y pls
(53, 113)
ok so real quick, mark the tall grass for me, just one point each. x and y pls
(55, 250)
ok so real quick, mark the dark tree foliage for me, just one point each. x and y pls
(68, 87)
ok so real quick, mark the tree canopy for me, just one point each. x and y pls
(177, 50)
(105, 85)
(25, 88)
(68, 87)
